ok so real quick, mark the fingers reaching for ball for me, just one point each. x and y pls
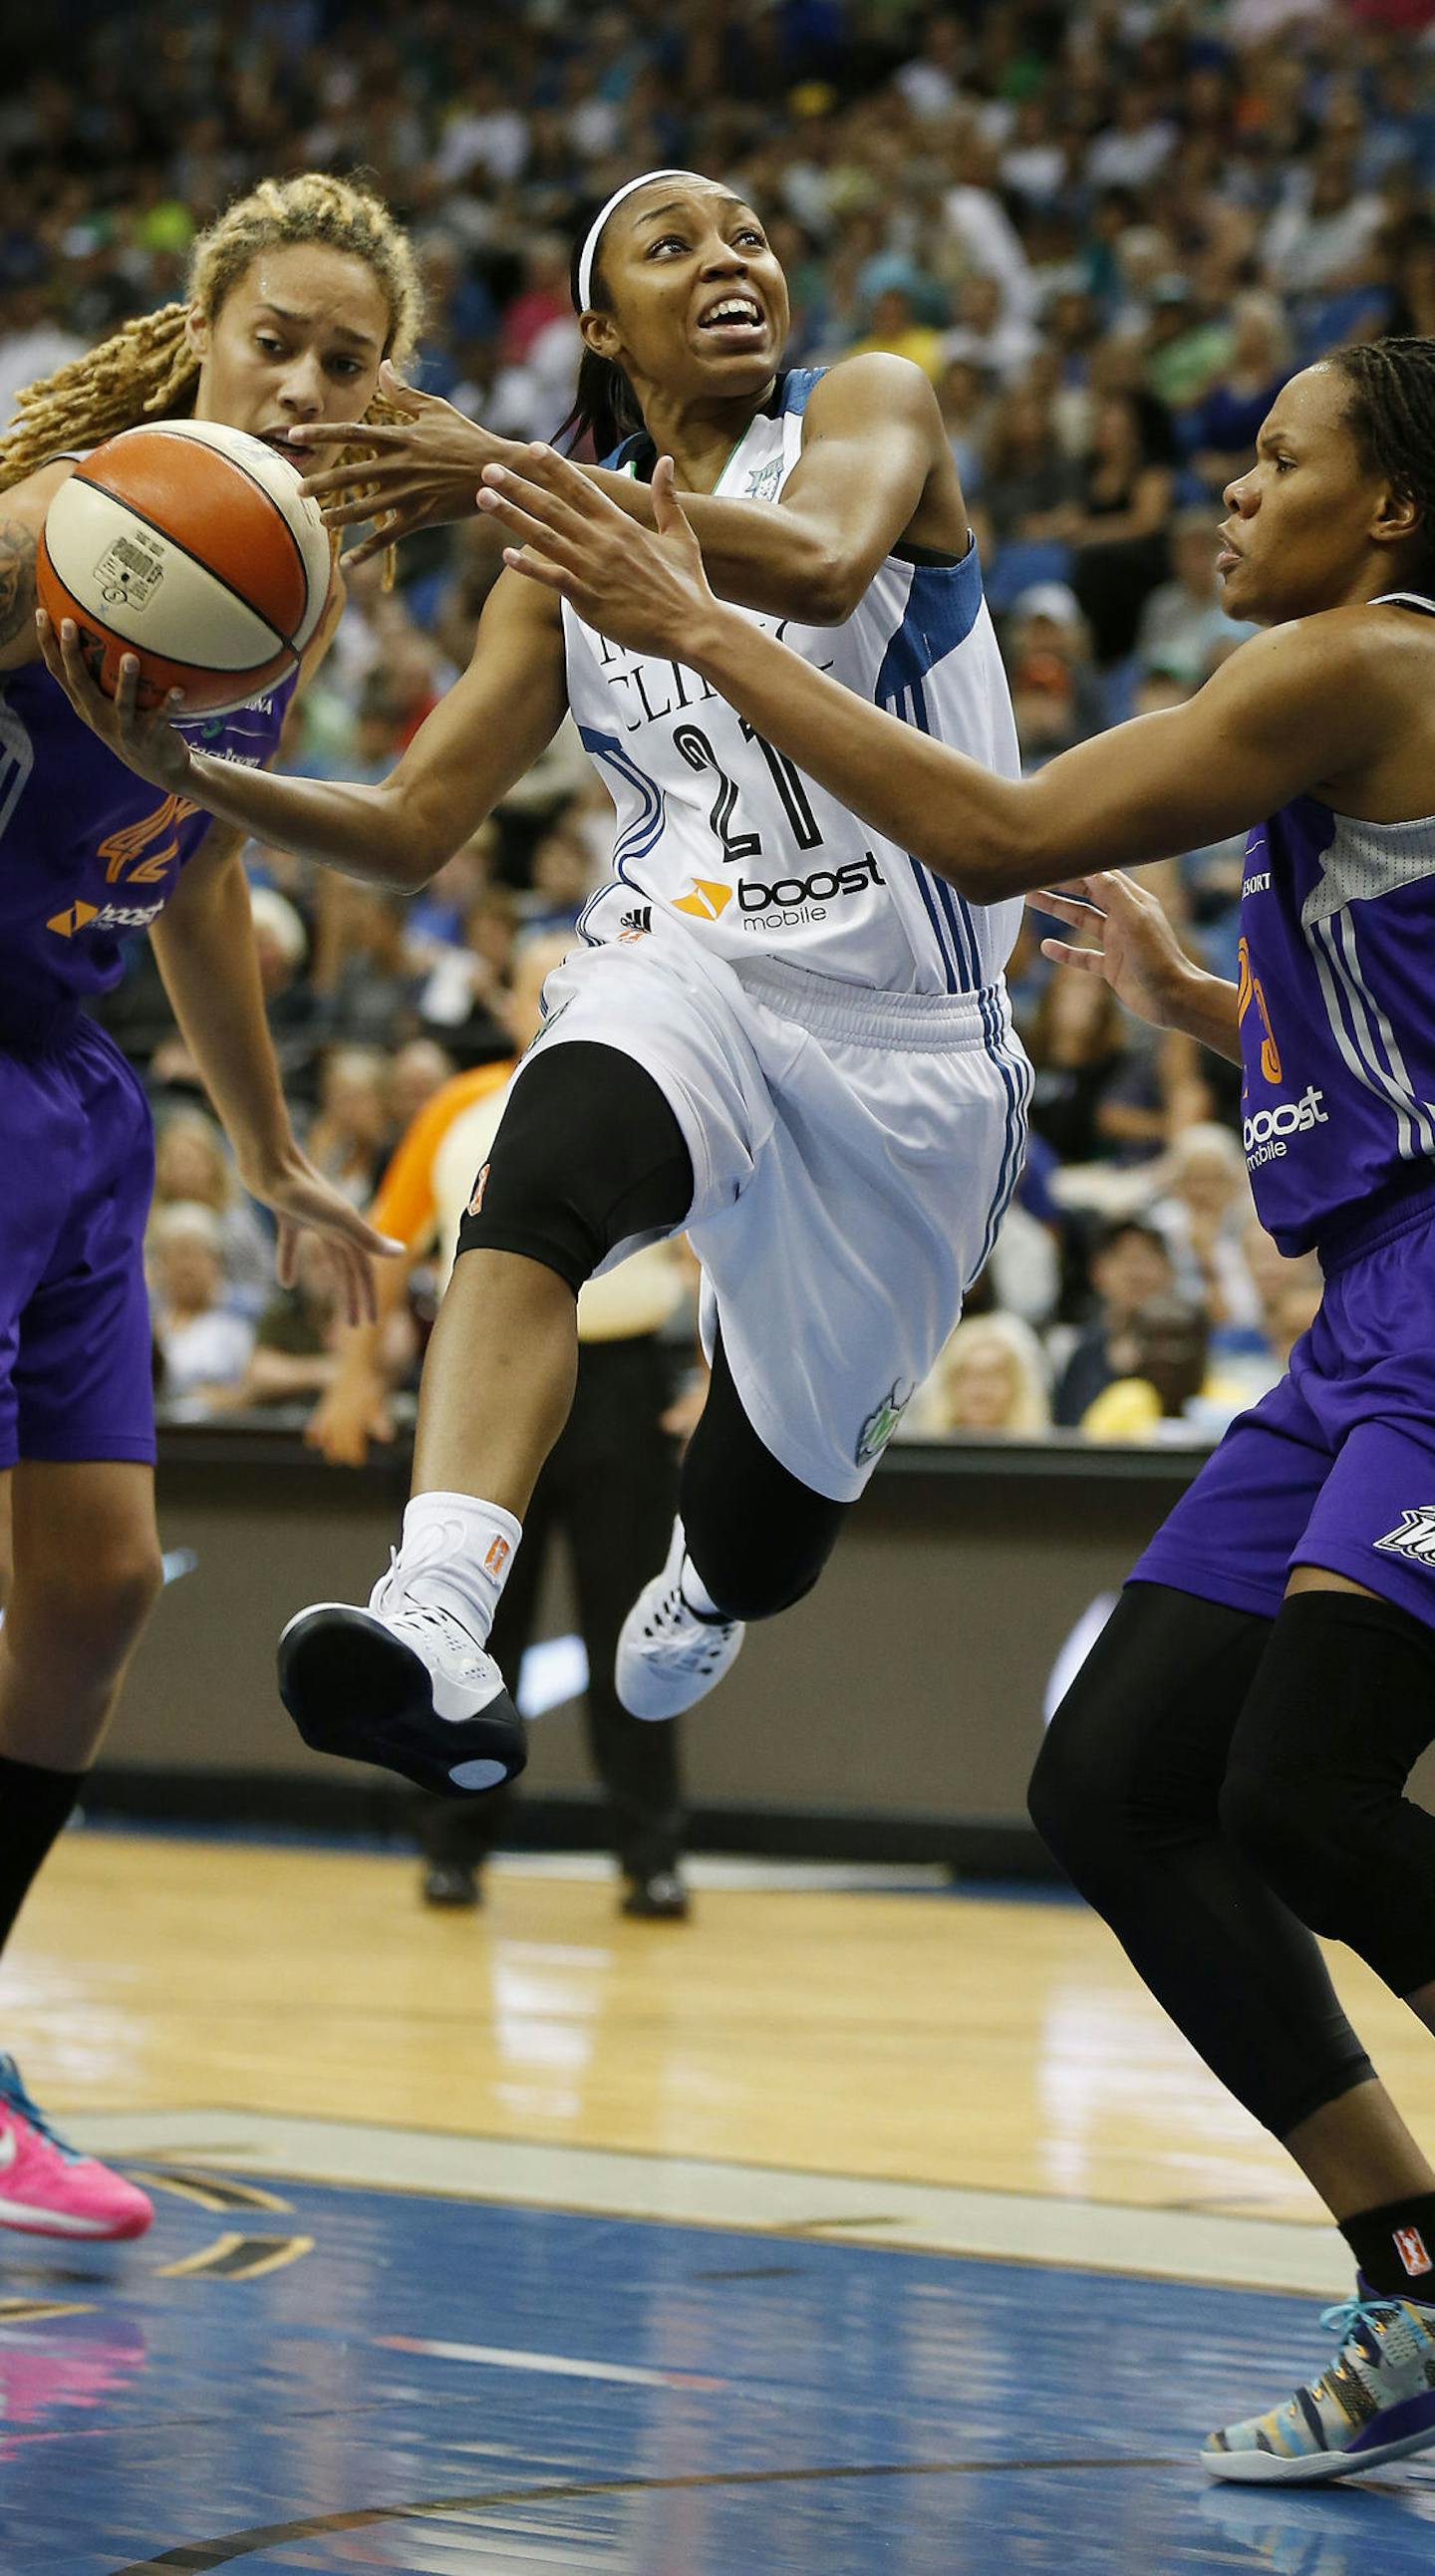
(645, 590)
(145, 742)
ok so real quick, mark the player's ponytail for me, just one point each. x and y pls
(605, 408)
(1391, 416)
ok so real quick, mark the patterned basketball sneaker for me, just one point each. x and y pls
(401, 1684)
(1375, 2403)
(670, 1655)
(48, 2188)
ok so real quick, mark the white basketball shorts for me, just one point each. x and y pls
(853, 1153)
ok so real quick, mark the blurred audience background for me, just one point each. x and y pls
(1108, 233)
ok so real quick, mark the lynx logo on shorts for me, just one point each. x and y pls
(705, 899)
(881, 1422)
(1415, 1537)
(480, 1185)
(1410, 2246)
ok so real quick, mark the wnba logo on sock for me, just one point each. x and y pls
(1410, 2246)
(498, 1555)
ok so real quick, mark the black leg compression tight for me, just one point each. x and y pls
(1340, 1711)
(757, 1536)
(1176, 1712)
(587, 1153)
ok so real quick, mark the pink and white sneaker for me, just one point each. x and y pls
(48, 2188)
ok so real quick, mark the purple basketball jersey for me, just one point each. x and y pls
(89, 854)
(1337, 1004)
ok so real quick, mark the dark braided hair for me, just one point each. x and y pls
(1392, 419)
(605, 407)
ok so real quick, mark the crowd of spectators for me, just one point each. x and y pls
(1108, 233)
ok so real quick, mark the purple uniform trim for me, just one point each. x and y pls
(1336, 1466)
(1337, 1014)
(75, 1369)
(89, 855)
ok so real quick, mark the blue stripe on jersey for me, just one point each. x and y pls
(965, 945)
(645, 828)
(1016, 1081)
(647, 825)
(943, 606)
(926, 888)
(795, 388)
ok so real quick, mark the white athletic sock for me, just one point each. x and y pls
(455, 1555)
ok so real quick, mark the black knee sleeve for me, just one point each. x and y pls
(758, 1536)
(587, 1153)
(1134, 1758)
(1340, 1712)
(1128, 1794)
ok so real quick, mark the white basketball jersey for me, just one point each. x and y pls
(720, 839)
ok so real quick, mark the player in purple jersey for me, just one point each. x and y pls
(298, 293)
(1225, 1779)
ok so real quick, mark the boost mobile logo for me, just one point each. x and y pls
(705, 899)
(1266, 1130)
(113, 916)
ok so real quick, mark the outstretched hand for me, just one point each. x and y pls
(1135, 947)
(146, 743)
(303, 1201)
(419, 472)
(645, 590)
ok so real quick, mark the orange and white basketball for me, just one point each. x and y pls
(192, 546)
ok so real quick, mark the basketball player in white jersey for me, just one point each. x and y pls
(778, 1032)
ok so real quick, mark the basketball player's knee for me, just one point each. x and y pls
(588, 1153)
(742, 1579)
(1075, 1806)
(91, 1616)
(1292, 1826)
(1340, 1710)
(758, 1572)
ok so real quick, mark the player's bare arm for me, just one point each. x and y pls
(477, 743)
(204, 944)
(875, 467)
(22, 516)
(1295, 709)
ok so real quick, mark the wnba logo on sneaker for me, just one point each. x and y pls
(1415, 1537)
(498, 1555)
(1410, 2246)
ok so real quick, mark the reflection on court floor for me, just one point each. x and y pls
(295, 2375)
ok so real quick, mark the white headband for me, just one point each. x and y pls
(589, 250)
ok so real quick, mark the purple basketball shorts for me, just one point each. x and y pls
(1336, 1466)
(78, 1149)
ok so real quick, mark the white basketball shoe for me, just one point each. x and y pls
(670, 1655)
(404, 1684)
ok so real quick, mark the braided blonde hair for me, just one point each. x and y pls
(149, 370)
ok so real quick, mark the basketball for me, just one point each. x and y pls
(194, 547)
